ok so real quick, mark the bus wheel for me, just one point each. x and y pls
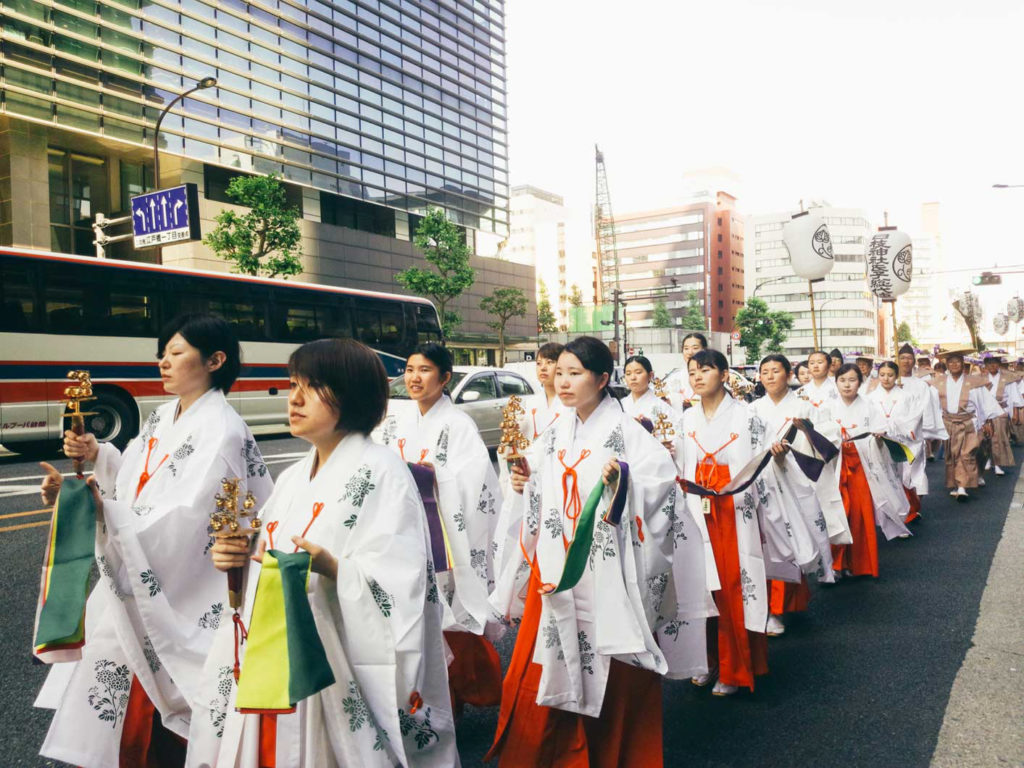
(112, 419)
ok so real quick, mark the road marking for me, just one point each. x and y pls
(48, 510)
(24, 525)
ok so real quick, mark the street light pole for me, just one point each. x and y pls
(206, 82)
(763, 283)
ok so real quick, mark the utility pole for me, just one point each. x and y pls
(102, 240)
(616, 300)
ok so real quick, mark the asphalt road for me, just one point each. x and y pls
(861, 679)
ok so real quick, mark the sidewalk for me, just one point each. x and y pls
(984, 720)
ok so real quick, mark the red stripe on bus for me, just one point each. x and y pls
(53, 391)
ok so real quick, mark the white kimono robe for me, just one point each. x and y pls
(755, 507)
(805, 518)
(819, 395)
(469, 500)
(541, 415)
(628, 589)
(821, 399)
(680, 393)
(380, 622)
(904, 407)
(159, 600)
(884, 480)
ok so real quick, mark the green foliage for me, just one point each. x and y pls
(265, 240)
(903, 333)
(694, 320)
(759, 326)
(444, 246)
(504, 304)
(546, 322)
(662, 317)
(575, 296)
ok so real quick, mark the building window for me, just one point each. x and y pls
(217, 179)
(719, 237)
(136, 178)
(79, 188)
(355, 214)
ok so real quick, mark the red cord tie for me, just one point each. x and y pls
(401, 447)
(241, 635)
(572, 503)
(423, 455)
(415, 702)
(640, 529)
(706, 472)
(270, 528)
(844, 432)
(146, 474)
(318, 507)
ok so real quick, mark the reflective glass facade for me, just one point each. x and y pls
(396, 102)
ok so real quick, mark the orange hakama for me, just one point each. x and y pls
(860, 557)
(787, 597)
(739, 653)
(474, 676)
(627, 734)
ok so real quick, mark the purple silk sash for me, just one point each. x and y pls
(426, 484)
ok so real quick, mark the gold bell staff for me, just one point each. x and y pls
(513, 442)
(229, 515)
(77, 392)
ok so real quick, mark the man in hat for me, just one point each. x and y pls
(1003, 387)
(924, 365)
(835, 362)
(866, 363)
(923, 406)
(966, 406)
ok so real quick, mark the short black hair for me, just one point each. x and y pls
(775, 357)
(712, 358)
(643, 361)
(846, 368)
(594, 355)
(209, 334)
(348, 376)
(906, 349)
(836, 354)
(822, 352)
(438, 354)
(550, 351)
(699, 337)
(798, 366)
(889, 364)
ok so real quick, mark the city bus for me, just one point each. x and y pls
(60, 313)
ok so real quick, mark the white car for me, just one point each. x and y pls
(480, 392)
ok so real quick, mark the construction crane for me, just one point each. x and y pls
(604, 230)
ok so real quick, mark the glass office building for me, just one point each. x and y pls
(380, 108)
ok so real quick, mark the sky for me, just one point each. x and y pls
(880, 105)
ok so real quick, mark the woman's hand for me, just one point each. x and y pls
(519, 474)
(50, 487)
(230, 551)
(780, 449)
(878, 435)
(610, 473)
(323, 562)
(81, 446)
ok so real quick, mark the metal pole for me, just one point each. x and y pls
(615, 321)
(206, 82)
(814, 326)
(895, 333)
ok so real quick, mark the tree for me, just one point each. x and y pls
(662, 317)
(504, 304)
(576, 296)
(694, 320)
(546, 322)
(903, 333)
(264, 241)
(444, 245)
(970, 310)
(759, 325)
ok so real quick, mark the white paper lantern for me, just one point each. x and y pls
(1000, 324)
(890, 261)
(810, 246)
(1015, 309)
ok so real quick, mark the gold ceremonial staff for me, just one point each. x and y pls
(512, 439)
(79, 390)
(227, 516)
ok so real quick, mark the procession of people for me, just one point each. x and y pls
(631, 544)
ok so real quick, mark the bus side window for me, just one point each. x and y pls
(426, 324)
(298, 321)
(75, 305)
(391, 326)
(367, 326)
(339, 321)
(17, 299)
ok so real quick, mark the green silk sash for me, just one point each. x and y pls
(285, 660)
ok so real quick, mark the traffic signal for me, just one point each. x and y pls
(987, 278)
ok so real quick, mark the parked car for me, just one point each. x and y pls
(480, 392)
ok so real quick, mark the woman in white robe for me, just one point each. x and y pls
(680, 391)
(778, 409)
(354, 506)
(642, 402)
(438, 434)
(747, 530)
(903, 408)
(544, 409)
(152, 617)
(821, 389)
(870, 484)
(586, 667)
(924, 420)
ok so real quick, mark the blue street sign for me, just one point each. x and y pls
(166, 216)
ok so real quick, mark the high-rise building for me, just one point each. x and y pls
(537, 237)
(370, 112)
(696, 247)
(926, 306)
(845, 309)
